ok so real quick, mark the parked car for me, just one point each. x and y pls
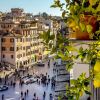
(36, 76)
(40, 63)
(7, 68)
(3, 87)
(30, 80)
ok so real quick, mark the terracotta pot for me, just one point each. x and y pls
(79, 35)
(82, 35)
(88, 20)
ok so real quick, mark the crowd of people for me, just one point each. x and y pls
(43, 79)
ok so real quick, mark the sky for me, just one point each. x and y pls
(31, 6)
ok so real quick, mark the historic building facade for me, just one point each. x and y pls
(19, 38)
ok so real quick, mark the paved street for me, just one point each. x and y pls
(15, 93)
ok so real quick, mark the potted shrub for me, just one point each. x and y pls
(83, 20)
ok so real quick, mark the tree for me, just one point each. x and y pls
(74, 14)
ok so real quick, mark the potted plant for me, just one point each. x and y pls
(83, 21)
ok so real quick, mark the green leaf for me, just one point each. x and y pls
(89, 28)
(67, 1)
(80, 49)
(82, 26)
(60, 54)
(92, 2)
(53, 6)
(69, 66)
(70, 48)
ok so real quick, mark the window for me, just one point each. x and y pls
(12, 56)
(17, 49)
(20, 39)
(23, 48)
(3, 40)
(27, 47)
(3, 49)
(23, 54)
(3, 56)
(12, 40)
(11, 48)
(24, 63)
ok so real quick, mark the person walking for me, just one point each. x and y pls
(50, 96)
(27, 91)
(11, 83)
(2, 96)
(21, 93)
(47, 83)
(22, 98)
(48, 80)
(44, 95)
(39, 82)
(35, 95)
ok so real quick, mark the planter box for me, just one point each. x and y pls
(87, 20)
(79, 35)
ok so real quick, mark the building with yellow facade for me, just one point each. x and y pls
(19, 38)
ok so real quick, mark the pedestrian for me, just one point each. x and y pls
(53, 70)
(48, 80)
(39, 82)
(48, 76)
(34, 99)
(2, 96)
(11, 83)
(52, 85)
(27, 91)
(21, 93)
(35, 95)
(51, 97)
(47, 83)
(57, 71)
(5, 81)
(54, 64)
(22, 98)
(0, 80)
(44, 94)
(21, 84)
